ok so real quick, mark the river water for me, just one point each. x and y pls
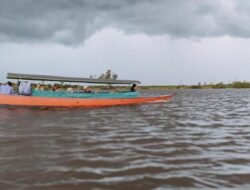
(199, 140)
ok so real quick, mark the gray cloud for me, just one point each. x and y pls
(73, 21)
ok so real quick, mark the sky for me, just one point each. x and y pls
(159, 42)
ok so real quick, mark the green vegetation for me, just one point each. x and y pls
(109, 74)
(221, 85)
(241, 85)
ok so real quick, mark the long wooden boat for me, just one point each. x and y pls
(33, 101)
(73, 100)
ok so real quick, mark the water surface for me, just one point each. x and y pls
(199, 140)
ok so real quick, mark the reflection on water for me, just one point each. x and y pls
(201, 139)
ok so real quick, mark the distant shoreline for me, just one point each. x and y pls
(221, 85)
(234, 85)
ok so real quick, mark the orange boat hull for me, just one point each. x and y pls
(73, 102)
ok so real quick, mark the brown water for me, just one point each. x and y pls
(199, 140)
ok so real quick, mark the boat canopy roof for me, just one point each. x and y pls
(68, 79)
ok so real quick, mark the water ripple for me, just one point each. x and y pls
(199, 140)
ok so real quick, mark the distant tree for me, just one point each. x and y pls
(108, 75)
(195, 87)
(102, 76)
(114, 76)
(219, 85)
(239, 84)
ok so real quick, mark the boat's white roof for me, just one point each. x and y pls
(67, 79)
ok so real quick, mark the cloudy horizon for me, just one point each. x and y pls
(158, 42)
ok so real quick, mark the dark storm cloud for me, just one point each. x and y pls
(72, 21)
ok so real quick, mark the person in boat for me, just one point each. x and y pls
(87, 89)
(133, 88)
(70, 89)
(7, 89)
(16, 89)
(24, 88)
(55, 88)
(39, 87)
